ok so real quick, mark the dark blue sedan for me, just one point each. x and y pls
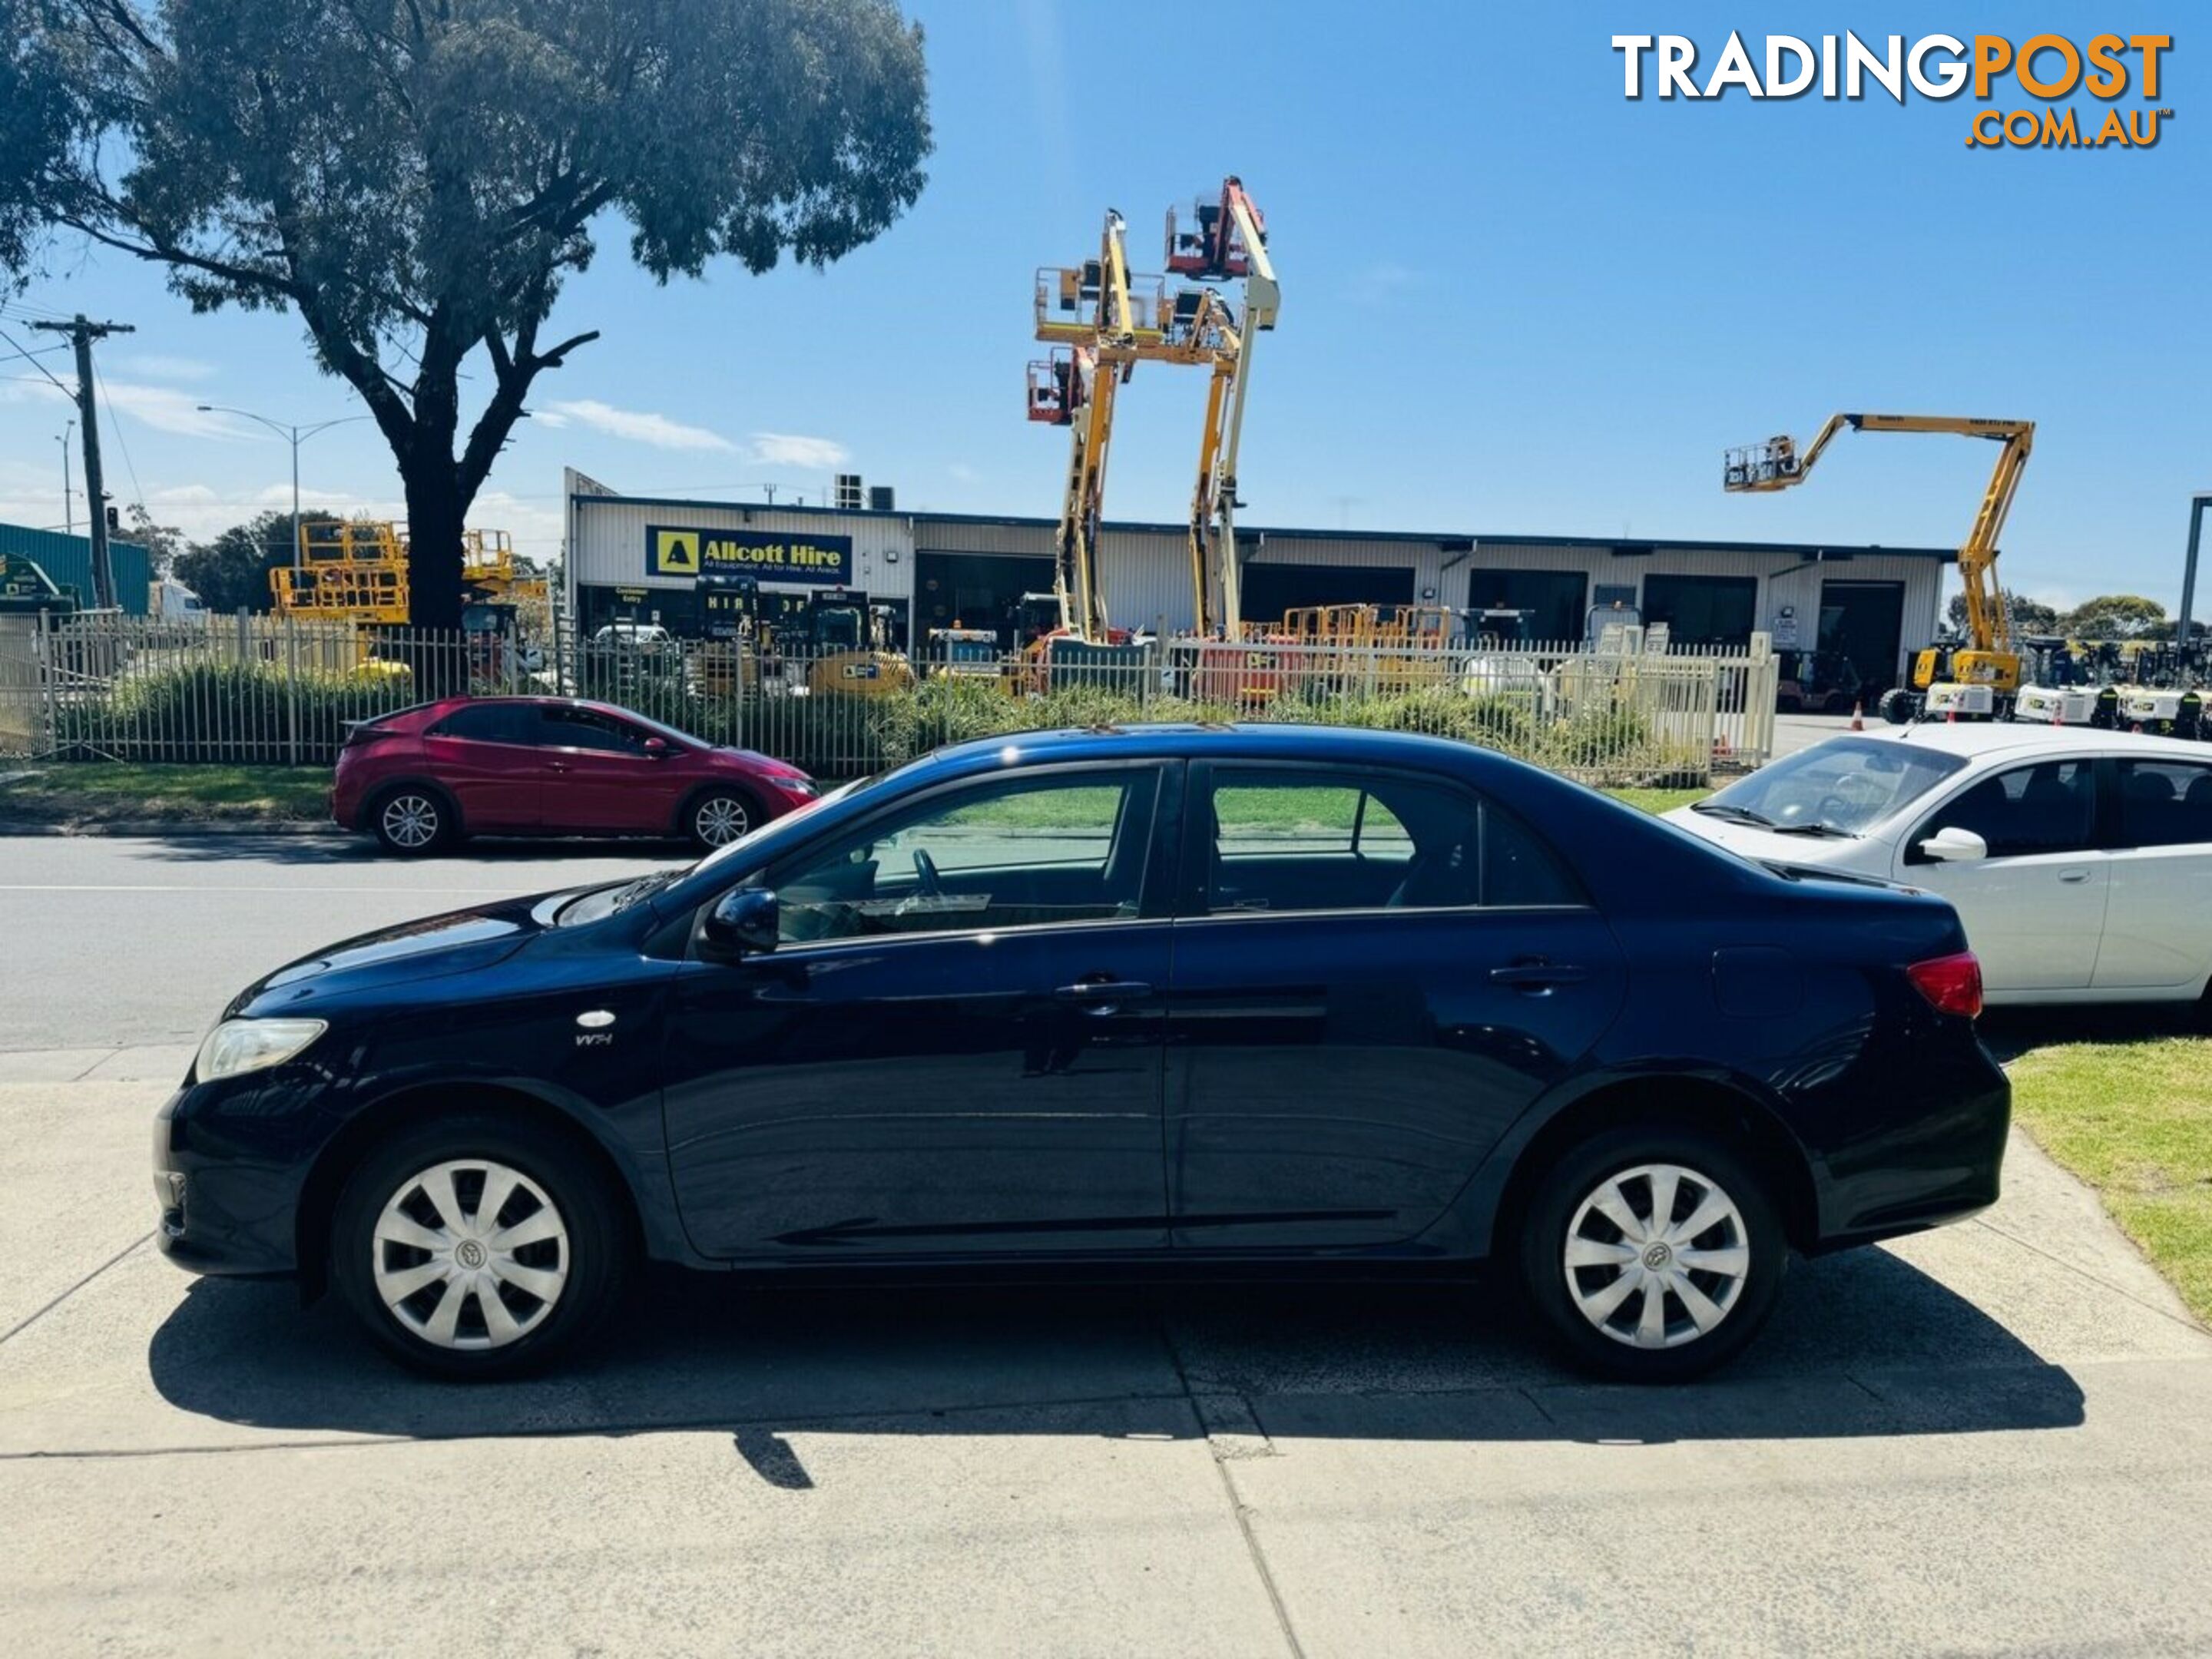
(1170, 999)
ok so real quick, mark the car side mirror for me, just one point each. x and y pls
(1953, 846)
(744, 922)
(656, 749)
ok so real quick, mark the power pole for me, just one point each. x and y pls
(82, 334)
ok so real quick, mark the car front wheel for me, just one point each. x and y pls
(477, 1246)
(1653, 1255)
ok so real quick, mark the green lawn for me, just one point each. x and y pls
(109, 792)
(2134, 1120)
(1658, 801)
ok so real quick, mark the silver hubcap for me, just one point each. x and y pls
(1657, 1256)
(411, 821)
(470, 1254)
(721, 820)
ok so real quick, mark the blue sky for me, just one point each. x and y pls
(1513, 301)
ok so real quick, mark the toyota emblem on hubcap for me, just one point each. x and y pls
(470, 1254)
(1657, 1257)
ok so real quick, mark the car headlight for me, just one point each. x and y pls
(238, 1046)
(805, 786)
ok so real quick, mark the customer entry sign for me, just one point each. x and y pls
(773, 556)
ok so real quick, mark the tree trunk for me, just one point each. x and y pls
(435, 511)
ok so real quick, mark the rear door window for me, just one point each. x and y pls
(489, 722)
(1297, 839)
(2164, 803)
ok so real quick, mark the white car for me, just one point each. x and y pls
(2080, 860)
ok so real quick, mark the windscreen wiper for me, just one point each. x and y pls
(1713, 809)
(1826, 831)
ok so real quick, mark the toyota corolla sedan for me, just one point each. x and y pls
(2080, 860)
(1167, 1000)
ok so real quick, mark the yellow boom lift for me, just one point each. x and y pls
(1101, 321)
(1226, 242)
(1980, 677)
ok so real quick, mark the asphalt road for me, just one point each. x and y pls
(1996, 1437)
(113, 941)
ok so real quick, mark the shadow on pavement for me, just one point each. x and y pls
(336, 848)
(1862, 1345)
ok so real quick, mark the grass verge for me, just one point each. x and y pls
(113, 792)
(2134, 1120)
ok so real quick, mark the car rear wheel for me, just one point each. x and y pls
(719, 816)
(1653, 1255)
(411, 821)
(477, 1246)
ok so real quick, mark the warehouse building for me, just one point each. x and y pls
(67, 561)
(640, 558)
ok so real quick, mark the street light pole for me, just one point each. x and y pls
(295, 436)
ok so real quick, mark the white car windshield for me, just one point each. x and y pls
(1844, 785)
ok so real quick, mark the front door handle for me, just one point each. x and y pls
(1538, 976)
(2073, 875)
(1101, 998)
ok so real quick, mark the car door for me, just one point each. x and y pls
(598, 777)
(955, 1049)
(2158, 919)
(482, 753)
(2034, 907)
(1375, 974)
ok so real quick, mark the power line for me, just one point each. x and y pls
(121, 442)
(34, 362)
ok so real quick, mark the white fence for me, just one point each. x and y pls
(262, 690)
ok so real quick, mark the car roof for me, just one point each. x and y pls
(1973, 738)
(1257, 740)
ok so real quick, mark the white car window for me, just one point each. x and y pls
(2050, 807)
(1846, 783)
(2164, 804)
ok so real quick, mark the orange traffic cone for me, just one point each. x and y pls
(1858, 717)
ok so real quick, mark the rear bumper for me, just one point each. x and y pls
(1933, 1153)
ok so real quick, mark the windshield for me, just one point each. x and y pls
(1845, 784)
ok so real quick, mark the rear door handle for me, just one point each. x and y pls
(2073, 875)
(1538, 976)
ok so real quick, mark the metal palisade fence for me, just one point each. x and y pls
(258, 688)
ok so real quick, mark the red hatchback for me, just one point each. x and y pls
(426, 776)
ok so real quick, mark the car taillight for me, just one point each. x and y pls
(1953, 985)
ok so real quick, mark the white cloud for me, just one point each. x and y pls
(964, 472)
(162, 407)
(638, 425)
(788, 449)
(160, 365)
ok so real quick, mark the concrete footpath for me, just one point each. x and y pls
(1996, 1437)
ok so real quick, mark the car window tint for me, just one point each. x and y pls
(586, 728)
(1518, 869)
(2164, 804)
(2047, 808)
(1298, 840)
(1007, 854)
(489, 722)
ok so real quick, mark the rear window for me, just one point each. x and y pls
(2164, 804)
(490, 722)
(1846, 783)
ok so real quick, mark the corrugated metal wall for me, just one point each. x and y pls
(68, 560)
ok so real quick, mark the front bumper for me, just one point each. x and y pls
(220, 1215)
